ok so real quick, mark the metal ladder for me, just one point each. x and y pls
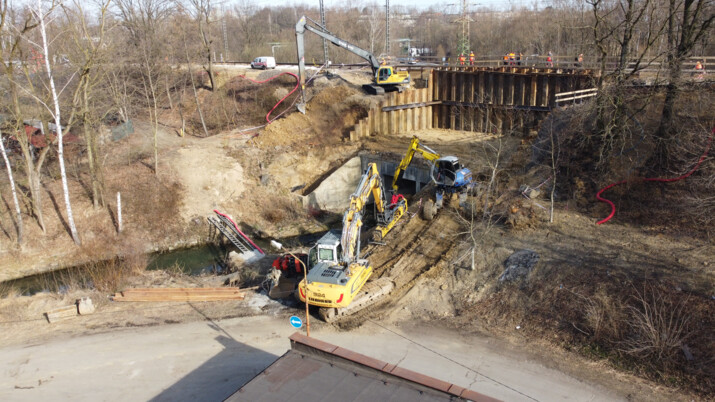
(226, 227)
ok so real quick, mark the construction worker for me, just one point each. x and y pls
(549, 60)
(471, 58)
(512, 56)
(699, 70)
(506, 59)
(462, 59)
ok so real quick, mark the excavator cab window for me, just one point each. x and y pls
(384, 74)
(326, 254)
(313, 257)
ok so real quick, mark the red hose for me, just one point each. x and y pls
(297, 84)
(239, 231)
(697, 165)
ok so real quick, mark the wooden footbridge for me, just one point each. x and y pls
(497, 100)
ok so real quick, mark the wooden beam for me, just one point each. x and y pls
(179, 294)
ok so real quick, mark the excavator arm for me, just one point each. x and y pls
(388, 213)
(302, 25)
(415, 146)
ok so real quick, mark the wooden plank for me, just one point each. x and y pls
(179, 294)
(61, 313)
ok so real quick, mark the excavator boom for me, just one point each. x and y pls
(383, 76)
(415, 146)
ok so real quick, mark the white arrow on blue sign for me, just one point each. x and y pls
(296, 322)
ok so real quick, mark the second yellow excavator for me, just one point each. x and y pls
(337, 274)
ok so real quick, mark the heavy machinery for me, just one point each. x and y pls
(385, 78)
(448, 175)
(337, 274)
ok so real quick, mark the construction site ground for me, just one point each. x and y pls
(259, 178)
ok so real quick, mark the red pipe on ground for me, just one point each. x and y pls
(297, 84)
(239, 231)
(613, 206)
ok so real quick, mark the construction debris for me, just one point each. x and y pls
(179, 294)
(85, 306)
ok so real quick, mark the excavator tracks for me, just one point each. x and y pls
(410, 251)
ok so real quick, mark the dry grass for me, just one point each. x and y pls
(658, 327)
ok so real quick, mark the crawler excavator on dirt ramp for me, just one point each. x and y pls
(448, 175)
(336, 281)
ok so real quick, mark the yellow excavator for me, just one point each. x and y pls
(385, 78)
(337, 275)
(448, 175)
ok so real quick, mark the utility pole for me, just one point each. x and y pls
(464, 46)
(387, 27)
(325, 41)
(225, 37)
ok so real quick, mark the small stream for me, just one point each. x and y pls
(208, 259)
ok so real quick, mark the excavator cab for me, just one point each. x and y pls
(449, 172)
(327, 249)
(387, 75)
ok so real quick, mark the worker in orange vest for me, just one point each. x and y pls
(699, 70)
(461, 59)
(471, 58)
(549, 60)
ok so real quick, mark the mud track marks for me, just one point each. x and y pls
(411, 251)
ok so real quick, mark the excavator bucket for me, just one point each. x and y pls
(281, 287)
(301, 107)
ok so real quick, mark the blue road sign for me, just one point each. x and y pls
(296, 321)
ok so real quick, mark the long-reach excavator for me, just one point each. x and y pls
(337, 276)
(446, 172)
(385, 78)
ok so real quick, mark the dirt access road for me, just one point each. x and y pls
(209, 360)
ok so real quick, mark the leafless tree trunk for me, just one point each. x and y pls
(202, 10)
(12, 50)
(193, 87)
(39, 14)
(615, 26)
(693, 18)
(91, 46)
(14, 191)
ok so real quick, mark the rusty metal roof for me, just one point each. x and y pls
(318, 371)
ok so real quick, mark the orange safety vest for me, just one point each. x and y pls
(698, 66)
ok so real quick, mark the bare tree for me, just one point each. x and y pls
(14, 191)
(12, 51)
(90, 47)
(40, 16)
(375, 24)
(143, 20)
(202, 10)
(692, 19)
(615, 24)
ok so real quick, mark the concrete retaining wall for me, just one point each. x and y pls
(333, 194)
